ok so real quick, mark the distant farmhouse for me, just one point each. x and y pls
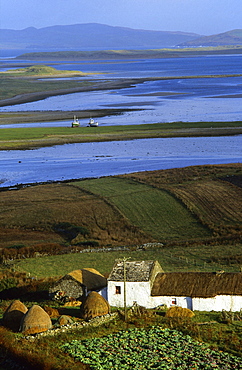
(148, 286)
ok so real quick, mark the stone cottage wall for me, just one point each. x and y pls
(69, 287)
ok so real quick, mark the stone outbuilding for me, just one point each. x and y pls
(77, 284)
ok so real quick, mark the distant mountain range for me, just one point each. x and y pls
(233, 37)
(90, 35)
(98, 36)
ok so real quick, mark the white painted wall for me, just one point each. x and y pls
(138, 292)
(218, 303)
(184, 302)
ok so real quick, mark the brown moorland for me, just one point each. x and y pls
(28, 216)
(211, 194)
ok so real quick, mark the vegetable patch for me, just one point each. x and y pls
(156, 348)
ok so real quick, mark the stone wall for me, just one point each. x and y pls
(75, 326)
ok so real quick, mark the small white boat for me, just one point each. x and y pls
(92, 123)
(75, 122)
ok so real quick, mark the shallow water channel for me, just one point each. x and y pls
(85, 160)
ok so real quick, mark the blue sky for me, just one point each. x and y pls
(199, 16)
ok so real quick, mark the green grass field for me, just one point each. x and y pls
(154, 211)
(22, 138)
(176, 258)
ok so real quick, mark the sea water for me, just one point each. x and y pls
(198, 99)
(172, 100)
(85, 160)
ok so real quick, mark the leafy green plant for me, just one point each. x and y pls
(155, 348)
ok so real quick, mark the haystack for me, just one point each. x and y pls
(14, 314)
(179, 312)
(94, 305)
(36, 320)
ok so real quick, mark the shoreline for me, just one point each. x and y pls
(19, 117)
(97, 85)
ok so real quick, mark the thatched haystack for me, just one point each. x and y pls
(13, 315)
(94, 305)
(179, 312)
(36, 320)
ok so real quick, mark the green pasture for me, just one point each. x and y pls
(154, 211)
(176, 258)
(17, 86)
(24, 137)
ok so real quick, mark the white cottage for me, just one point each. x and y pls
(140, 276)
(148, 286)
(202, 291)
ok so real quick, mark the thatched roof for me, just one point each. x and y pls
(89, 277)
(36, 320)
(93, 306)
(13, 315)
(135, 271)
(197, 284)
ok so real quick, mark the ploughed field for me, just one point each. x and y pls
(191, 206)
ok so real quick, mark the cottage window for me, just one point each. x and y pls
(173, 301)
(118, 289)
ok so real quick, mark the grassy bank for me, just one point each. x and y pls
(24, 138)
